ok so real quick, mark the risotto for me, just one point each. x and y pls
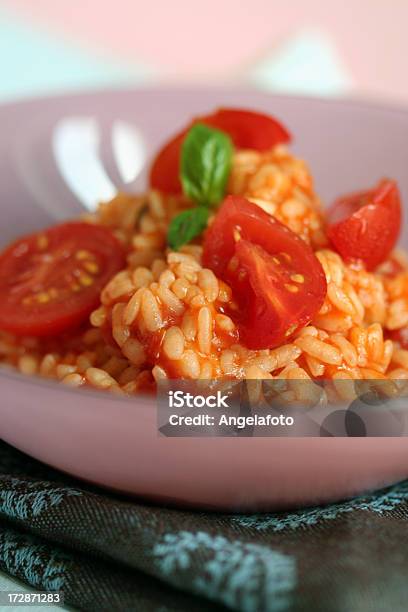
(227, 267)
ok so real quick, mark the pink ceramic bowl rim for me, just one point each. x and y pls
(113, 441)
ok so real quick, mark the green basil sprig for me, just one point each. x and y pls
(187, 225)
(205, 164)
(206, 158)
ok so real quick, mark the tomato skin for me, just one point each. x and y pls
(51, 281)
(365, 226)
(401, 336)
(247, 129)
(276, 279)
(164, 173)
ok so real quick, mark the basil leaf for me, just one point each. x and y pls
(206, 158)
(186, 226)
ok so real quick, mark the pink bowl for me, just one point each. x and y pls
(44, 149)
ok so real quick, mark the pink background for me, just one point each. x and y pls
(225, 39)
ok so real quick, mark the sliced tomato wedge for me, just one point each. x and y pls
(51, 281)
(248, 130)
(276, 279)
(365, 226)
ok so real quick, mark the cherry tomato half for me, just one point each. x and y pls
(365, 226)
(51, 281)
(276, 279)
(248, 130)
